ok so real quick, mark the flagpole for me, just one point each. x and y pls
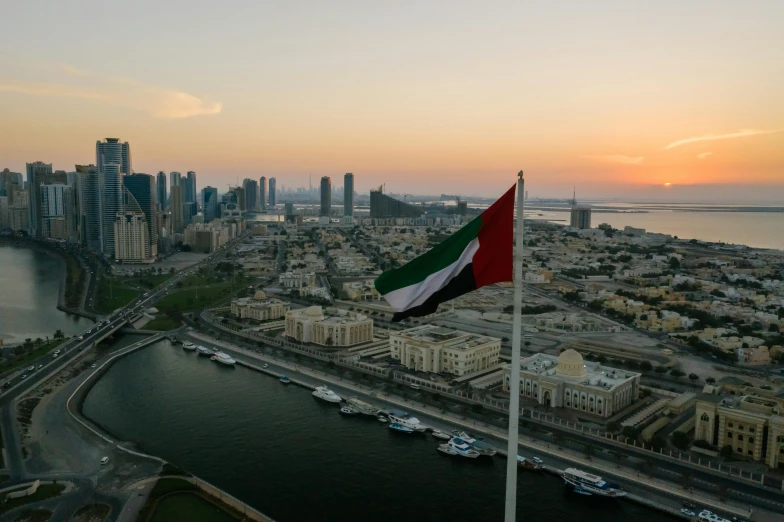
(514, 374)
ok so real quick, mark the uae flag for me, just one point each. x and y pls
(477, 255)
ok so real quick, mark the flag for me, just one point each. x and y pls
(477, 255)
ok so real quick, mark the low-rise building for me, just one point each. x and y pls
(297, 279)
(431, 348)
(361, 291)
(569, 382)
(259, 307)
(333, 327)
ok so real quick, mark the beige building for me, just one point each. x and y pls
(297, 279)
(259, 307)
(333, 327)
(569, 382)
(752, 425)
(361, 291)
(130, 238)
(431, 348)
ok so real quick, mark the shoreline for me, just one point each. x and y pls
(390, 403)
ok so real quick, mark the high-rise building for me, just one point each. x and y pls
(383, 206)
(143, 189)
(348, 195)
(209, 198)
(240, 192)
(263, 192)
(326, 197)
(272, 195)
(4, 220)
(18, 208)
(89, 207)
(130, 232)
(189, 193)
(161, 189)
(113, 160)
(251, 188)
(189, 211)
(56, 212)
(39, 173)
(6, 176)
(111, 150)
(176, 208)
(580, 215)
(175, 179)
(289, 211)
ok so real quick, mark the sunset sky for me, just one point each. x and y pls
(615, 97)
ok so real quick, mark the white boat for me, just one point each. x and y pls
(402, 417)
(589, 484)
(382, 419)
(205, 351)
(479, 445)
(362, 406)
(708, 516)
(444, 448)
(324, 393)
(223, 359)
(396, 426)
(188, 346)
(441, 435)
(462, 448)
(533, 464)
(345, 410)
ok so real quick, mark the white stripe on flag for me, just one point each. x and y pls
(416, 294)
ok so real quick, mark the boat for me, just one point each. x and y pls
(362, 406)
(382, 419)
(396, 426)
(482, 447)
(324, 393)
(708, 516)
(462, 448)
(402, 417)
(589, 484)
(205, 351)
(223, 359)
(188, 346)
(530, 464)
(444, 448)
(345, 410)
(441, 435)
(688, 512)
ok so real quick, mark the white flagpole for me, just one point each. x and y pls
(514, 376)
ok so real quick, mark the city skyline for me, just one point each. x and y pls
(427, 101)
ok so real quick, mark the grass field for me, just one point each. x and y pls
(44, 491)
(162, 324)
(146, 281)
(110, 297)
(35, 354)
(186, 300)
(190, 507)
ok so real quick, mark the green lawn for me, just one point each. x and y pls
(190, 507)
(44, 491)
(110, 297)
(146, 281)
(33, 355)
(162, 324)
(186, 300)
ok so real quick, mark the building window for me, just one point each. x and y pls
(740, 437)
(750, 452)
(704, 417)
(751, 430)
(730, 424)
(740, 450)
(729, 434)
(751, 440)
(740, 427)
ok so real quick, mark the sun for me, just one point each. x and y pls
(667, 184)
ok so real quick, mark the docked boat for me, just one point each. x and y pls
(688, 512)
(205, 351)
(188, 346)
(403, 418)
(382, 419)
(345, 410)
(588, 484)
(396, 426)
(441, 435)
(445, 449)
(362, 407)
(284, 379)
(324, 393)
(223, 358)
(462, 448)
(482, 447)
(529, 464)
(708, 516)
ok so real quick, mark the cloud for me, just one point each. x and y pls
(704, 155)
(742, 133)
(617, 158)
(160, 102)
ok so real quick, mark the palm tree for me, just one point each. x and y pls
(38, 341)
(588, 451)
(59, 334)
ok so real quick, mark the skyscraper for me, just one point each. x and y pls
(580, 214)
(39, 173)
(161, 189)
(209, 198)
(113, 160)
(89, 206)
(326, 197)
(111, 150)
(176, 208)
(189, 188)
(348, 195)
(55, 211)
(6, 176)
(143, 189)
(251, 193)
(175, 179)
(263, 193)
(272, 196)
(130, 232)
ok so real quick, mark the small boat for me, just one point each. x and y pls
(345, 410)
(188, 346)
(324, 393)
(362, 406)
(414, 386)
(462, 448)
(403, 418)
(222, 358)
(382, 419)
(284, 379)
(482, 447)
(589, 484)
(529, 464)
(708, 516)
(688, 512)
(441, 435)
(444, 448)
(205, 351)
(396, 426)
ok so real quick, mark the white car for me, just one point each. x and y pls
(40, 366)
(31, 369)
(93, 366)
(80, 338)
(24, 376)
(104, 461)
(264, 366)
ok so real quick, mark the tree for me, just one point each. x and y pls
(726, 451)
(645, 366)
(680, 440)
(722, 489)
(588, 451)
(710, 380)
(614, 426)
(329, 341)
(694, 377)
(660, 369)
(59, 334)
(677, 373)
(685, 479)
(675, 264)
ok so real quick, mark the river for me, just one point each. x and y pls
(29, 289)
(296, 458)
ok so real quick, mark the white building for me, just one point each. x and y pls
(568, 382)
(335, 327)
(130, 237)
(431, 348)
(259, 307)
(297, 279)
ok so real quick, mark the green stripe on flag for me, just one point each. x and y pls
(437, 258)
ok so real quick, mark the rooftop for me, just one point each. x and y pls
(446, 337)
(567, 367)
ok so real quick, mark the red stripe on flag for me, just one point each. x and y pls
(493, 262)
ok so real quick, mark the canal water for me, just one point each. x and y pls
(29, 290)
(297, 459)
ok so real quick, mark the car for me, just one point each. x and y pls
(57, 352)
(80, 338)
(104, 461)
(93, 366)
(55, 356)
(40, 366)
(146, 294)
(31, 369)
(90, 331)
(265, 365)
(6, 384)
(24, 376)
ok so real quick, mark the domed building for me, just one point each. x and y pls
(567, 381)
(331, 327)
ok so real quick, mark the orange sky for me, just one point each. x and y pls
(441, 97)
